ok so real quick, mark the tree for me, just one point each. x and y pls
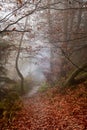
(63, 30)
(4, 53)
(17, 59)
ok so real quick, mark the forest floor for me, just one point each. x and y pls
(52, 110)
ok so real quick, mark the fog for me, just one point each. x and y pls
(36, 66)
(35, 62)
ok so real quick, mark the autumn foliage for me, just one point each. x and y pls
(52, 110)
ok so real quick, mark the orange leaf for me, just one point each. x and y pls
(19, 1)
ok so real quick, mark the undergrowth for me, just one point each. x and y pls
(9, 106)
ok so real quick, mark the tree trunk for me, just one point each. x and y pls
(17, 59)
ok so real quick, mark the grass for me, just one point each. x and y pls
(43, 87)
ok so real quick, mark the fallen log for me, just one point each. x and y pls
(76, 78)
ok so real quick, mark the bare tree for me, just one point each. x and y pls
(18, 56)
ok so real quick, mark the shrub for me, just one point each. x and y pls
(9, 106)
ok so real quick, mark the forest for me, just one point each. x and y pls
(43, 67)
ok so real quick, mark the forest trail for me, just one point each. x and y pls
(36, 108)
(33, 91)
(51, 110)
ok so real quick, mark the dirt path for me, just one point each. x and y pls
(33, 91)
(36, 113)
